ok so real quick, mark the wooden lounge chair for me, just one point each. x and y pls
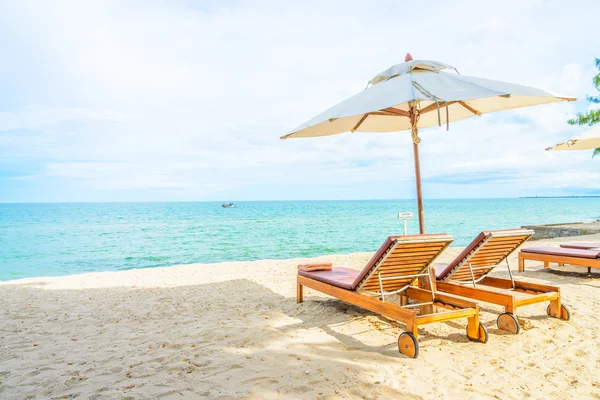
(582, 246)
(584, 257)
(467, 276)
(394, 269)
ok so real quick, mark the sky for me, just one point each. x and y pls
(186, 100)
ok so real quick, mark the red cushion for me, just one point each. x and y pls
(559, 251)
(339, 276)
(581, 245)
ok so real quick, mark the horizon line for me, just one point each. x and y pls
(293, 200)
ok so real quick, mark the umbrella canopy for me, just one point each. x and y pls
(419, 94)
(588, 140)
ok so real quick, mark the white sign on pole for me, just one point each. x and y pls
(404, 216)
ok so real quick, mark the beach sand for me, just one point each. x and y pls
(234, 330)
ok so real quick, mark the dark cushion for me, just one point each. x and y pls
(581, 245)
(560, 251)
(339, 276)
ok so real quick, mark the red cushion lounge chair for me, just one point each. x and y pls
(582, 246)
(467, 276)
(584, 257)
(396, 266)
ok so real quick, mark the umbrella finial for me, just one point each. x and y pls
(408, 57)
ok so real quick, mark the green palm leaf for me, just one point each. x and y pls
(590, 117)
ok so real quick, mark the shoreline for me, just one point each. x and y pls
(177, 269)
(133, 275)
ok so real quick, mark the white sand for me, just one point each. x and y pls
(234, 330)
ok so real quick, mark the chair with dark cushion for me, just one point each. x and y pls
(582, 255)
(394, 269)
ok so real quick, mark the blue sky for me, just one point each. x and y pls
(160, 101)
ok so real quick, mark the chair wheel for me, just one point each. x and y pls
(407, 345)
(483, 334)
(564, 312)
(508, 322)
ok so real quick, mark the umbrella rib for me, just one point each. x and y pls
(389, 113)
(468, 107)
(384, 113)
(434, 106)
(359, 122)
(397, 111)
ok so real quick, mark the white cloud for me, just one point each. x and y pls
(174, 96)
(22, 178)
(44, 117)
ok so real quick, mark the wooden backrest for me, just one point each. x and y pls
(400, 257)
(488, 249)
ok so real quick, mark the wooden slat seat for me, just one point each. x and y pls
(400, 261)
(488, 249)
(397, 257)
(467, 276)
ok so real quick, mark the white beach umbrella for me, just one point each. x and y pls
(419, 94)
(588, 140)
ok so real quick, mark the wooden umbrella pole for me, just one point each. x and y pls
(419, 193)
(414, 119)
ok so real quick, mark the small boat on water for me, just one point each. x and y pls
(228, 205)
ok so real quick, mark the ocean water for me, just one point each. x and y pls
(61, 239)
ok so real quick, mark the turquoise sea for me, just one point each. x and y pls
(62, 239)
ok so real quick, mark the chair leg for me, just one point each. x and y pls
(555, 308)
(521, 263)
(511, 307)
(413, 327)
(299, 293)
(473, 326)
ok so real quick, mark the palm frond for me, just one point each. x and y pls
(590, 118)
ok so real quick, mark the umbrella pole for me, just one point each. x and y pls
(415, 131)
(419, 193)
